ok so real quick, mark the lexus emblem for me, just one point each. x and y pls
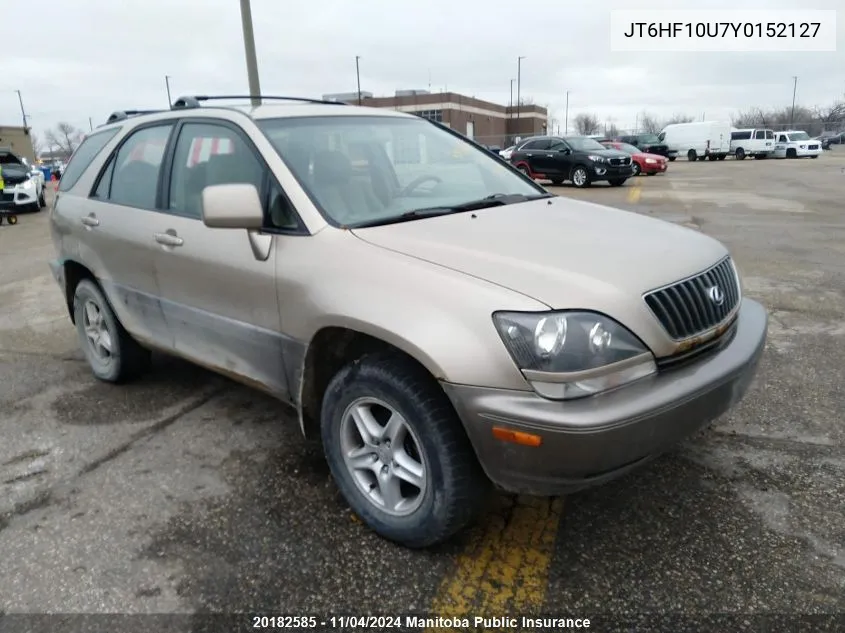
(716, 295)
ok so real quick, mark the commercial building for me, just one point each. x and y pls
(18, 140)
(486, 122)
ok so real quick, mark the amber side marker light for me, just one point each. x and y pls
(516, 437)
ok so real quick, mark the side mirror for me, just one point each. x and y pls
(565, 150)
(233, 206)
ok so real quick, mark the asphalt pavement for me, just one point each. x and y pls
(186, 493)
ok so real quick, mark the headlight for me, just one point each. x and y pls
(27, 184)
(567, 355)
(650, 161)
(596, 159)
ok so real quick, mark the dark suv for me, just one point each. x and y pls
(648, 143)
(578, 159)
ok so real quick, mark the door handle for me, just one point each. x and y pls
(169, 239)
(90, 220)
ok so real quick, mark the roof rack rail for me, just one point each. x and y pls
(122, 115)
(195, 101)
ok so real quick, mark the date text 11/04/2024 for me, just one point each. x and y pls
(723, 29)
(379, 623)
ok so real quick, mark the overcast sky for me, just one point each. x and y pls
(87, 58)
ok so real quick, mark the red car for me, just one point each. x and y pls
(643, 163)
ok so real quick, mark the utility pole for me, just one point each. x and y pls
(510, 114)
(249, 49)
(167, 83)
(23, 112)
(358, 77)
(519, 85)
(90, 124)
(566, 117)
(794, 89)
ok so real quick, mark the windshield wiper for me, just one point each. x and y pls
(493, 200)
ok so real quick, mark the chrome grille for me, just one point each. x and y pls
(620, 161)
(691, 307)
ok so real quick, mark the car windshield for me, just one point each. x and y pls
(584, 144)
(647, 139)
(624, 147)
(366, 170)
(799, 136)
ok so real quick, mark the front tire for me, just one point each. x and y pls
(113, 355)
(672, 159)
(399, 453)
(791, 153)
(617, 182)
(580, 177)
(740, 153)
(691, 155)
(636, 169)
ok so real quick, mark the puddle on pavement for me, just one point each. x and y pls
(96, 403)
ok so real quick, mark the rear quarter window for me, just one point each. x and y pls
(82, 157)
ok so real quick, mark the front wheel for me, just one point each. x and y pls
(617, 182)
(42, 202)
(740, 153)
(580, 177)
(672, 159)
(112, 353)
(691, 155)
(813, 156)
(398, 451)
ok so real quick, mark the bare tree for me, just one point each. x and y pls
(37, 144)
(64, 137)
(649, 123)
(611, 130)
(677, 118)
(586, 124)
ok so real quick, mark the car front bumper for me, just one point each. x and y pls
(592, 440)
(601, 171)
(17, 198)
(653, 168)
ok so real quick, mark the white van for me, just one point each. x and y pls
(752, 142)
(699, 140)
(796, 144)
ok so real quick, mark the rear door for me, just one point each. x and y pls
(535, 154)
(218, 289)
(555, 162)
(114, 231)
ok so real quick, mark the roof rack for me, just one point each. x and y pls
(195, 101)
(122, 115)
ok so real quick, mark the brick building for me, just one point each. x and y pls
(486, 122)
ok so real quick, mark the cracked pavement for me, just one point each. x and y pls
(185, 492)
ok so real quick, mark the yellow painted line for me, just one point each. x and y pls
(504, 568)
(634, 194)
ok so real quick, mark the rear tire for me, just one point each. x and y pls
(635, 169)
(740, 153)
(113, 355)
(672, 159)
(453, 486)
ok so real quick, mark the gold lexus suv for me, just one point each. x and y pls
(442, 324)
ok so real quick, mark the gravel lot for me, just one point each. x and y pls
(187, 493)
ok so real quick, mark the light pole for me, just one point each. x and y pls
(249, 49)
(90, 124)
(510, 114)
(167, 83)
(794, 89)
(358, 77)
(566, 116)
(518, 85)
(23, 112)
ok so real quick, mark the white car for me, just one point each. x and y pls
(759, 143)
(796, 144)
(21, 189)
(507, 152)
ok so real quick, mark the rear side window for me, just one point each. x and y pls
(740, 136)
(82, 157)
(760, 134)
(769, 134)
(137, 166)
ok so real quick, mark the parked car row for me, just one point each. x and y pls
(696, 141)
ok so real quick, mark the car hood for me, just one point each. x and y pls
(562, 252)
(607, 153)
